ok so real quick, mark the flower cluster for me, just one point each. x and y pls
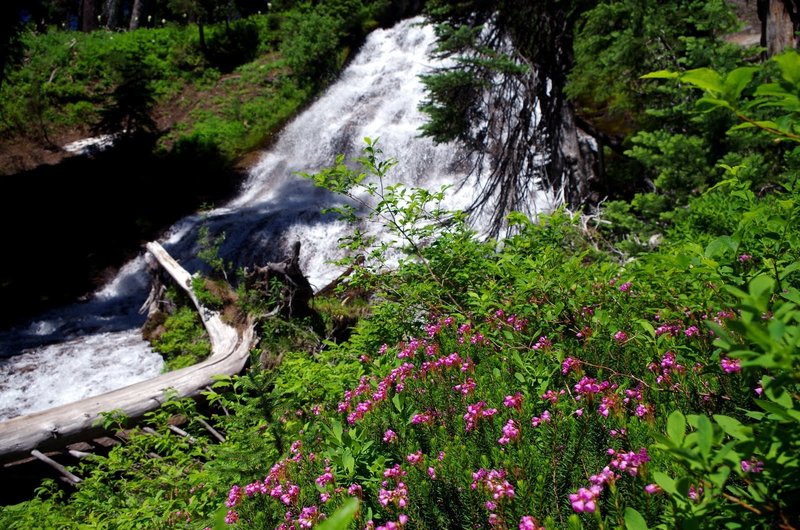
(475, 412)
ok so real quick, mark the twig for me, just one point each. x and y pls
(73, 479)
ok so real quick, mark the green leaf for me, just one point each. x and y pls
(732, 427)
(661, 74)
(676, 427)
(348, 462)
(706, 79)
(789, 63)
(666, 482)
(718, 247)
(634, 520)
(398, 402)
(341, 518)
(705, 435)
(337, 429)
(737, 80)
(648, 327)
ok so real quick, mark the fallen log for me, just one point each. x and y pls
(54, 428)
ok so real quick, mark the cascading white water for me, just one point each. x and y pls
(90, 348)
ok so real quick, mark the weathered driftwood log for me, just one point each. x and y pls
(59, 426)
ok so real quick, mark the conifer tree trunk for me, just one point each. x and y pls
(113, 13)
(780, 21)
(137, 12)
(88, 15)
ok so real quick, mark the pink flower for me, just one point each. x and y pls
(432, 473)
(325, 478)
(625, 287)
(389, 436)
(355, 490)
(414, 458)
(538, 420)
(691, 331)
(585, 500)
(514, 401)
(510, 432)
(752, 466)
(543, 343)
(620, 336)
(652, 489)
(466, 387)
(421, 419)
(744, 258)
(730, 366)
(529, 523)
(231, 517)
(569, 364)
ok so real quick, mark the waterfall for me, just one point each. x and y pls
(92, 347)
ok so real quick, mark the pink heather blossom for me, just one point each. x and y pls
(510, 433)
(394, 472)
(324, 497)
(629, 462)
(652, 489)
(389, 436)
(432, 473)
(589, 385)
(691, 331)
(744, 258)
(475, 412)
(234, 496)
(514, 401)
(441, 456)
(606, 476)
(671, 329)
(355, 490)
(585, 500)
(398, 496)
(543, 343)
(620, 336)
(529, 523)
(493, 481)
(490, 506)
(569, 364)
(231, 517)
(730, 366)
(579, 412)
(466, 387)
(538, 420)
(752, 466)
(308, 516)
(695, 493)
(422, 419)
(552, 396)
(325, 478)
(758, 390)
(608, 402)
(414, 458)
(625, 287)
